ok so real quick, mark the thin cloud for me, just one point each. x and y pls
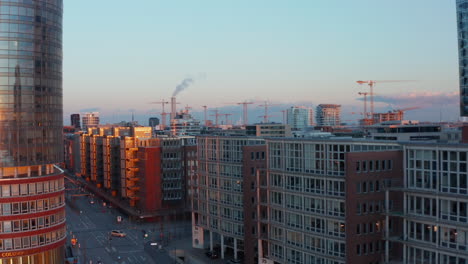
(418, 99)
(91, 109)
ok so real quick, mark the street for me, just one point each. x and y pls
(90, 221)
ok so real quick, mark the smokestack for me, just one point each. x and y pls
(173, 107)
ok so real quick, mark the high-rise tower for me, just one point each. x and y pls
(462, 23)
(32, 217)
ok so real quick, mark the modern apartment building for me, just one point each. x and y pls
(218, 216)
(90, 120)
(75, 121)
(142, 173)
(32, 205)
(325, 200)
(299, 117)
(435, 199)
(328, 115)
(268, 130)
(462, 23)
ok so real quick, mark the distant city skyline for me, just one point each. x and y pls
(309, 52)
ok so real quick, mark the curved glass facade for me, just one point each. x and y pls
(462, 22)
(30, 82)
(32, 206)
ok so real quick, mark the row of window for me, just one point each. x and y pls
(452, 238)
(371, 247)
(450, 210)
(373, 186)
(296, 257)
(308, 184)
(259, 155)
(32, 241)
(372, 207)
(374, 165)
(316, 225)
(34, 188)
(32, 223)
(369, 228)
(420, 256)
(32, 206)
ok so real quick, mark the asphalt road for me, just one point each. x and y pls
(91, 224)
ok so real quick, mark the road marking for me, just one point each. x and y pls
(143, 258)
(108, 249)
(113, 249)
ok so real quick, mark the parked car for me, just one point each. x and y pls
(118, 233)
(211, 254)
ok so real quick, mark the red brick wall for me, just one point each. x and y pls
(249, 193)
(353, 198)
(150, 171)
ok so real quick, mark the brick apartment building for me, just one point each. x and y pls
(145, 174)
(290, 200)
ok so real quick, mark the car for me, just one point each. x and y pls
(234, 261)
(211, 254)
(118, 233)
(91, 202)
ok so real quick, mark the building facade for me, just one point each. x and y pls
(32, 217)
(434, 213)
(90, 120)
(75, 121)
(268, 130)
(153, 121)
(462, 23)
(139, 173)
(299, 117)
(325, 200)
(218, 215)
(328, 115)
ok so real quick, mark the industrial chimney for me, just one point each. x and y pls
(173, 107)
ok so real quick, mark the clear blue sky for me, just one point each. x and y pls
(120, 55)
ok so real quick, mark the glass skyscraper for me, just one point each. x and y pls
(32, 206)
(462, 23)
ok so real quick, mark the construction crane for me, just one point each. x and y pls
(216, 115)
(401, 112)
(365, 103)
(284, 116)
(244, 111)
(371, 90)
(226, 116)
(163, 114)
(266, 105)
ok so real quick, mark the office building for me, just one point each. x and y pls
(218, 216)
(153, 121)
(32, 217)
(142, 175)
(183, 124)
(435, 200)
(90, 120)
(268, 130)
(328, 115)
(75, 121)
(299, 117)
(462, 23)
(326, 199)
